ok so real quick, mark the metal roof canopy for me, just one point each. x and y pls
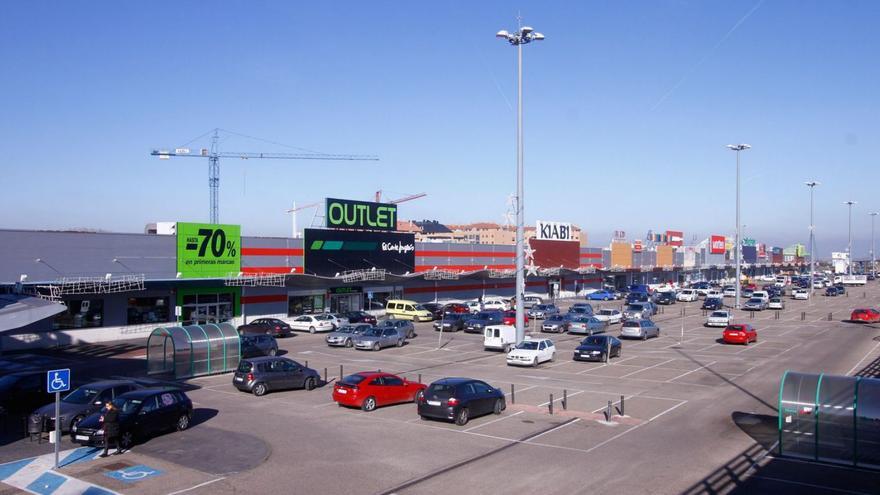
(193, 350)
(20, 310)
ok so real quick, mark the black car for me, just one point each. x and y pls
(481, 320)
(142, 414)
(22, 392)
(258, 345)
(841, 289)
(637, 297)
(665, 298)
(265, 374)
(831, 291)
(436, 309)
(79, 403)
(267, 326)
(360, 317)
(459, 399)
(451, 322)
(598, 348)
(712, 303)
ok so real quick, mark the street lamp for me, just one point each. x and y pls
(523, 36)
(873, 260)
(737, 248)
(849, 244)
(812, 185)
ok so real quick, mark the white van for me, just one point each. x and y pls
(763, 295)
(499, 338)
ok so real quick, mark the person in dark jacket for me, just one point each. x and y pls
(110, 421)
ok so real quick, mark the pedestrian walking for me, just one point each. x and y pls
(110, 422)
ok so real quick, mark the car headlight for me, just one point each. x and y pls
(100, 432)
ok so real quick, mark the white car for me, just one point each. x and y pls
(802, 294)
(729, 292)
(776, 303)
(495, 304)
(719, 319)
(338, 320)
(532, 353)
(312, 323)
(610, 316)
(687, 295)
(760, 294)
(819, 284)
(473, 306)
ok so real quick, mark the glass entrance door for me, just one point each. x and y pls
(343, 303)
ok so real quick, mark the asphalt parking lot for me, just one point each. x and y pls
(698, 416)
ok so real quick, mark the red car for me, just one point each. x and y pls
(371, 389)
(456, 308)
(509, 318)
(865, 315)
(740, 334)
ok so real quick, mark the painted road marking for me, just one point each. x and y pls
(36, 474)
(134, 474)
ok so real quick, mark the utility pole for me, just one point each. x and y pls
(873, 259)
(849, 244)
(737, 248)
(812, 185)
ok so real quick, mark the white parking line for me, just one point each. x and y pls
(615, 437)
(863, 359)
(751, 347)
(560, 398)
(691, 371)
(494, 421)
(553, 429)
(197, 486)
(649, 367)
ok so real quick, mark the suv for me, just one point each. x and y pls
(265, 374)
(258, 345)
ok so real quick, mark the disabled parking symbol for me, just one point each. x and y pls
(134, 474)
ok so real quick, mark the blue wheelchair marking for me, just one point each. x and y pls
(81, 454)
(10, 468)
(47, 483)
(134, 474)
(94, 490)
(58, 380)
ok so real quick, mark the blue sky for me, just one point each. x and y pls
(628, 108)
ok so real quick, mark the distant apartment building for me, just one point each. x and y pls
(472, 233)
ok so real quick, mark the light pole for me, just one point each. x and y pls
(736, 247)
(812, 185)
(849, 244)
(873, 260)
(522, 36)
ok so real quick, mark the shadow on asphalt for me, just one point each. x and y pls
(201, 415)
(725, 379)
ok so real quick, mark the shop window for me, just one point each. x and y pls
(304, 305)
(147, 310)
(83, 313)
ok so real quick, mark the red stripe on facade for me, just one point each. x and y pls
(466, 268)
(264, 299)
(594, 265)
(246, 251)
(465, 254)
(271, 269)
(451, 288)
(591, 255)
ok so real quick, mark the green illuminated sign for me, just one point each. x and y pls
(360, 215)
(207, 250)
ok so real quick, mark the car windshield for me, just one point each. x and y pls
(127, 406)
(635, 307)
(775, 300)
(528, 345)
(352, 379)
(632, 324)
(373, 332)
(542, 307)
(755, 300)
(719, 314)
(485, 316)
(606, 312)
(593, 341)
(82, 395)
(345, 329)
(556, 318)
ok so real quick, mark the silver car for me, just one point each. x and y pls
(378, 338)
(541, 311)
(405, 326)
(344, 335)
(755, 304)
(556, 324)
(587, 325)
(639, 329)
(637, 311)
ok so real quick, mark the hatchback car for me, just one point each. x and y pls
(755, 304)
(865, 315)
(344, 336)
(776, 303)
(665, 298)
(360, 317)
(481, 320)
(405, 327)
(601, 295)
(379, 338)
(587, 325)
(639, 329)
(800, 294)
(509, 317)
(143, 414)
(712, 303)
(81, 402)
(739, 334)
(371, 389)
(832, 291)
(541, 311)
(532, 353)
(637, 311)
(451, 322)
(436, 309)
(459, 399)
(687, 295)
(610, 316)
(598, 348)
(267, 374)
(556, 324)
(456, 308)
(719, 319)
(258, 345)
(268, 326)
(312, 323)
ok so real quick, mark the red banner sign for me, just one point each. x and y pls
(717, 244)
(674, 238)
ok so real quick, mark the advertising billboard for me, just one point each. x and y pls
(749, 242)
(717, 244)
(360, 215)
(637, 246)
(750, 254)
(553, 231)
(328, 252)
(762, 250)
(207, 250)
(551, 254)
(674, 238)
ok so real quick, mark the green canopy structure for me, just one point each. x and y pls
(193, 350)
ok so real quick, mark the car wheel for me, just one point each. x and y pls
(506, 348)
(75, 421)
(619, 352)
(182, 422)
(645, 336)
(400, 343)
(272, 352)
(605, 357)
(418, 396)
(126, 440)
(461, 418)
(369, 404)
(553, 357)
(260, 389)
(310, 383)
(348, 343)
(424, 418)
(606, 298)
(499, 406)
(376, 346)
(535, 363)
(311, 329)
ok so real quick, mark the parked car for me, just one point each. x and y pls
(581, 308)
(22, 391)
(739, 334)
(541, 311)
(312, 323)
(755, 304)
(687, 295)
(258, 345)
(268, 326)
(143, 414)
(360, 317)
(776, 303)
(530, 300)
(459, 399)
(865, 315)
(841, 289)
(665, 298)
(610, 316)
(371, 389)
(746, 293)
(481, 320)
(832, 291)
(405, 327)
(457, 308)
(729, 291)
(451, 322)
(586, 325)
(509, 317)
(499, 338)
(81, 402)
(639, 329)
(404, 309)
(601, 295)
(637, 311)
(713, 303)
(532, 353)
(338, 320)
(495, 303)
(760, 294)
(474, 306)
(268, 374)
(556, 324)
(719, 319)
(436, 309)
(717, 294)
(598, 348)
(800, 294)
(634, 297)
(344, 335)
(379, 338)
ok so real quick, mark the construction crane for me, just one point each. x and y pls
(293, 211)
(401, 200)
(214, 155)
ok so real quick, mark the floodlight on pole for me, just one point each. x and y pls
(873, 258)
(849, 243)
(812, 185)
(737, 248)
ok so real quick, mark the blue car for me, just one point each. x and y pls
(601, 295)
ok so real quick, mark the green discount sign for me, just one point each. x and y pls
(207, 250)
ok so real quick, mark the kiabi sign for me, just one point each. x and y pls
(554, 231)
(360, 215)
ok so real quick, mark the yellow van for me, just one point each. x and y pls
(407, 310)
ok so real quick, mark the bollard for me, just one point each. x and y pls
(829, 316)
(751, 315)
(420, 378)
(803, 315)
(846, 293)
(864, 295)
(608, 412)
(621, 406)
(325, 375)
(307, 363)
(340, 372)
(564, 399)
(550, 404)
(512, 394)
(777, 315)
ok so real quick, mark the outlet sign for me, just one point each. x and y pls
(360, 215)
(207, 250)
(553, 231)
